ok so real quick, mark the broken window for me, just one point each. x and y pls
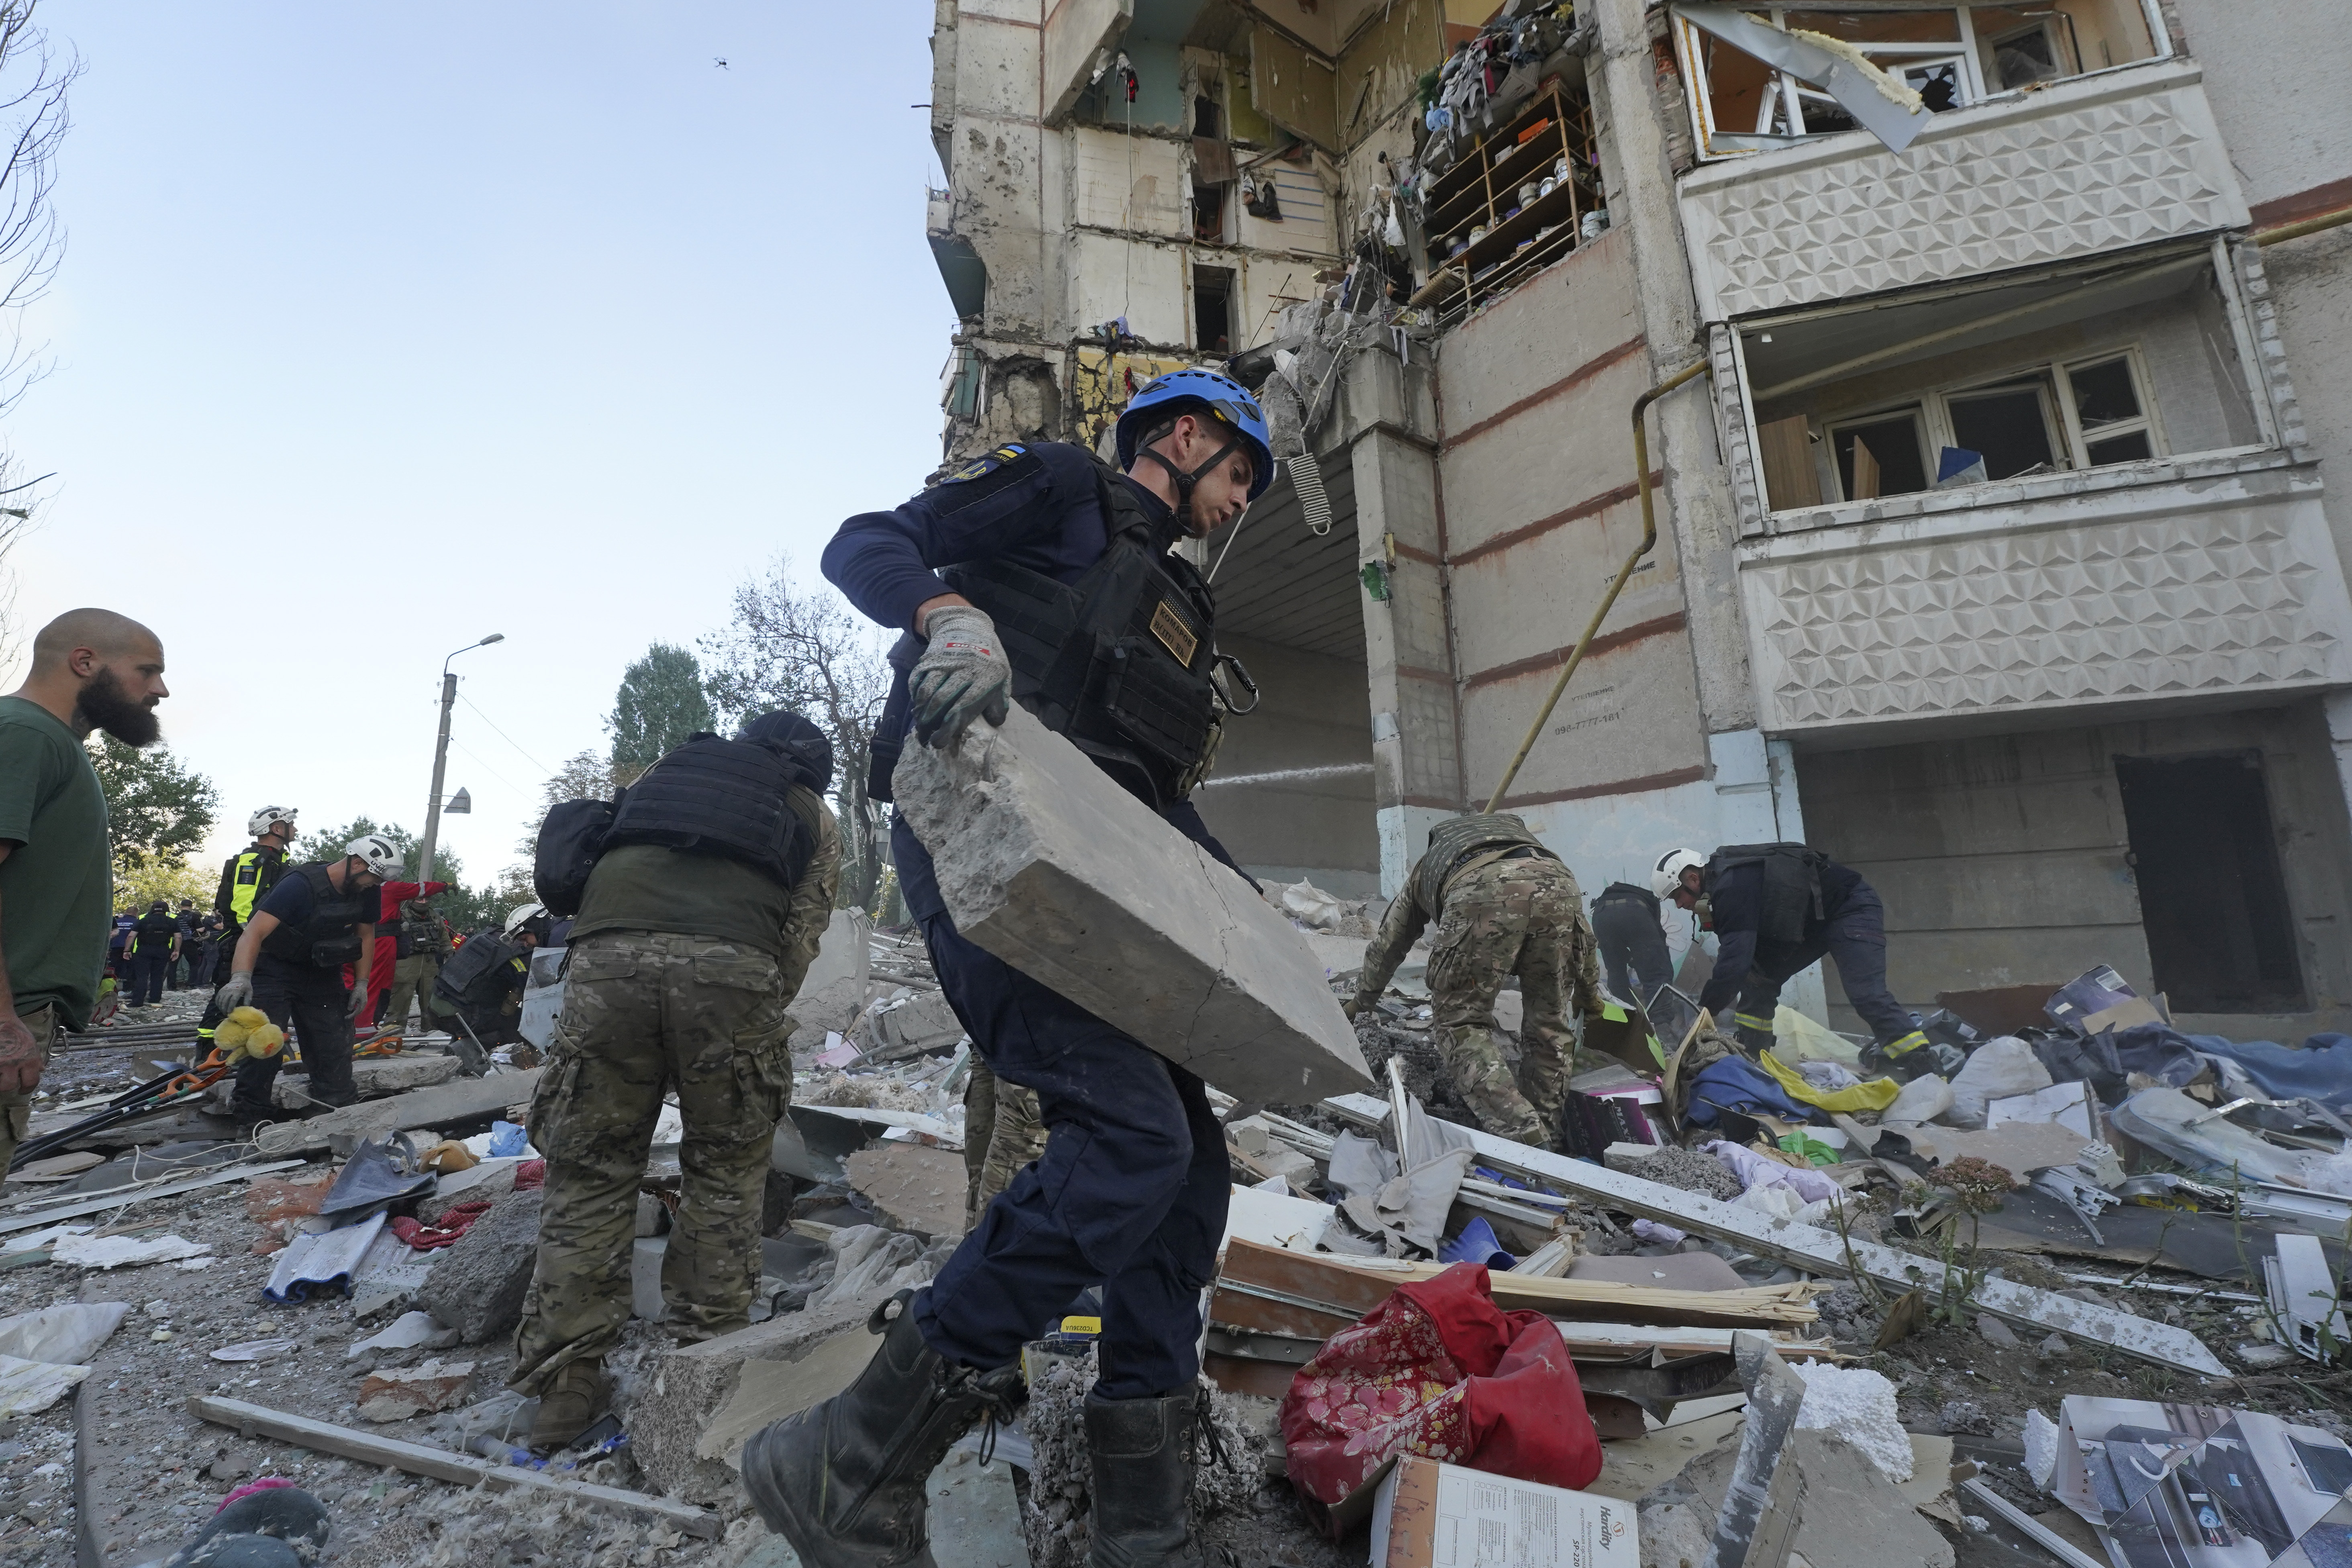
(2010, 426)
(1212, 309)
(2212, 900)
(2078, 366)
(2111, 417)
(1880, 456)
(1748, 92)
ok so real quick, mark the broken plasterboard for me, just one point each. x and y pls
(1822, 1251)
(1879, 104)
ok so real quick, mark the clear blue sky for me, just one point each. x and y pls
(382, 327)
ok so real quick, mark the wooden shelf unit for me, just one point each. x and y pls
(1482, 188)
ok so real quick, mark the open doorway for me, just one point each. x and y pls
(2212, 900)
(1212, 309)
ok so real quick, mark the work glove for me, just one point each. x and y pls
(235, 993)
(358, 1002)
(961, 676)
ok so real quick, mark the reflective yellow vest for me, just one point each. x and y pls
(251, 875)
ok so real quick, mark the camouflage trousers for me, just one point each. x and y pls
(412, 980)
(644, 1012)
(1512, 917)
(1001, 1134)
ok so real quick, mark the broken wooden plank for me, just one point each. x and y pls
(1822, 1252)
(463, 1100)
(418, 1459)
(122, 1197)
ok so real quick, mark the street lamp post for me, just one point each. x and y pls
(441, 759)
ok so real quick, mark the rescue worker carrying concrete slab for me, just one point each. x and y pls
(290, 964)
(246, 878)
(696, 927)
(1776, 909)
(1505, 905)
(1035, 575)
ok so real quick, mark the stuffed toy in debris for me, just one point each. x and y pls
(247, 1035)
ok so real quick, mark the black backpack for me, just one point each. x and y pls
(1793, 885)
(471, 978)
(570, 841)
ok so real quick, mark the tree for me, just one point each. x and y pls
(786, 647)
(157, 809)
(33, 122)
(466, 909)
(584, 777)
(148, 878)
(660, 702)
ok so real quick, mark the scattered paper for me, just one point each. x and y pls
(28, 1388)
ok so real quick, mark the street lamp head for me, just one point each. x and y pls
(494, 636)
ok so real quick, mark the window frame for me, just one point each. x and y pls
(1782, 99)
(2143, 388)
(1931, 409)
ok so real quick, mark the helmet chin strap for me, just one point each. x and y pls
(1184, 481)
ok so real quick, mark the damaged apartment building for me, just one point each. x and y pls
(1996, 552)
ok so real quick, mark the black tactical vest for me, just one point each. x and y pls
(719, 797)
(330, 936)
(1117, 661)
(476, 974)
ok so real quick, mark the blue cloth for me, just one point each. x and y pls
(1476, 1244)
(507, 1139)
(2321, 1070)
(1735, 1083)
(1130, 1191)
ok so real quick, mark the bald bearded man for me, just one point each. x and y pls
(92, 669)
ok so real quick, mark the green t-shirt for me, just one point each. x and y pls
(57, 883)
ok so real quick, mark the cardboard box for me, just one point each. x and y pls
(1433, 1515)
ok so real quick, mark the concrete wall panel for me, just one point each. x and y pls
(1566, 317)
(2274, 73)
(1075, 31)
(1112, 277)
(1556, 455)
(1133, 183)
(1535, 598)
(996, 68)
(1631, 713)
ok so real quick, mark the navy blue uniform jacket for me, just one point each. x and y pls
(1737, 901)
(1034, 506)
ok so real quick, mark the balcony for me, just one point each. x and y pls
(2142, 589)
(2120, 159)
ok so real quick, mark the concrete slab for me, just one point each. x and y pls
(834, 987)
(682, 1390)
(477, 1286)
(460, 1100)
(769, 1391)
(374, 1076)
(1045, 862)
(1851, 1516)
(974, 1520)
(913, 1187)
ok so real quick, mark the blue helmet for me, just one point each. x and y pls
(1182, 392)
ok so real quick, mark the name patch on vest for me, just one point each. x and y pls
(1175, 635)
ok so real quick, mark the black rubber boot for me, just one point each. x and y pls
(845, 1482)
(1142, 1452)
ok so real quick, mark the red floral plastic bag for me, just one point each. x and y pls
(1438, 1369)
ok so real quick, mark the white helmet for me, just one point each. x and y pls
(524, 917)
(1668, 874)
(377, 851)
(268, 818)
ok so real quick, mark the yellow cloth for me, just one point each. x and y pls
(1797, 1039)
(1872, 1094)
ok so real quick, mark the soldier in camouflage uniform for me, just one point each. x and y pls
(1505, 905)
(682, 963)
(1001, 1134)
